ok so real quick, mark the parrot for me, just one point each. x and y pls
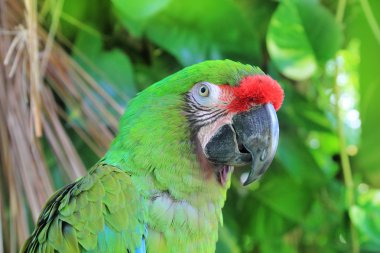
(162, 184)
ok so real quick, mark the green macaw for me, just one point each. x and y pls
(162, 184)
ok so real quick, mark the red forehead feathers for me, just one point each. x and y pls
(258, 89)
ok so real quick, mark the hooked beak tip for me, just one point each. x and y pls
(259, 132)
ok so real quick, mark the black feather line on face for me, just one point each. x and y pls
(199, 115)
(196, 105)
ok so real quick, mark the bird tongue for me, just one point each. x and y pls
(223, 173)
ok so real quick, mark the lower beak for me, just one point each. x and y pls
(257, 130)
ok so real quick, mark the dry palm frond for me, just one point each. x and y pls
(29, 110)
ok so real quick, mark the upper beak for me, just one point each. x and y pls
(257, 130)
(252, 138)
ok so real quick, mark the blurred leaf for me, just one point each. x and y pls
(190, 30)
(297, 160)
(135, 14)
(259, 13)
(159, 67)
(368, 159)
(309, 117)
(227, 242)
(76, 10)
(301, 35)
(366, 217)
(323, 32)
(79, 15)
(293, 55)
(323, 146)
(141, 9)
(285, 196)
(253, 215)
(323, 225)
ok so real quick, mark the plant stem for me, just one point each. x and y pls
(346, 167)
(340, 11)
(56, 15)
(370, 19)
(34, 65)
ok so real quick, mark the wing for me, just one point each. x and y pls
(101, 212)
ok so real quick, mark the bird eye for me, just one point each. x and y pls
(203, 91)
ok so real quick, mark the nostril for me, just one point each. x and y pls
(242, 149)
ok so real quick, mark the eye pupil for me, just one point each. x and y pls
(203, 91)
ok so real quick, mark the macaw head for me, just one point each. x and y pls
(235, 125)
(211, 116)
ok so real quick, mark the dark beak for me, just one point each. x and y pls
(251, 139)
(257, 130)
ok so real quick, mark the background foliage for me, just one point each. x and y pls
(74, 71)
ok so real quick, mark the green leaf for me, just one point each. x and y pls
(366, 217)
(195, 30)
(300, 36)
(135, 13)
(288, 44)
(323, 225)
(227, 242)
(368, 159)
(285, 196)
(294, 155)
(160, 67)
(78, 16)
(76, 10)
(141, 9)
(310, 117)
(323, 32)
(323, 146)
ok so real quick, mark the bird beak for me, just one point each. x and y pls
(257, 130)
(251, 138)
